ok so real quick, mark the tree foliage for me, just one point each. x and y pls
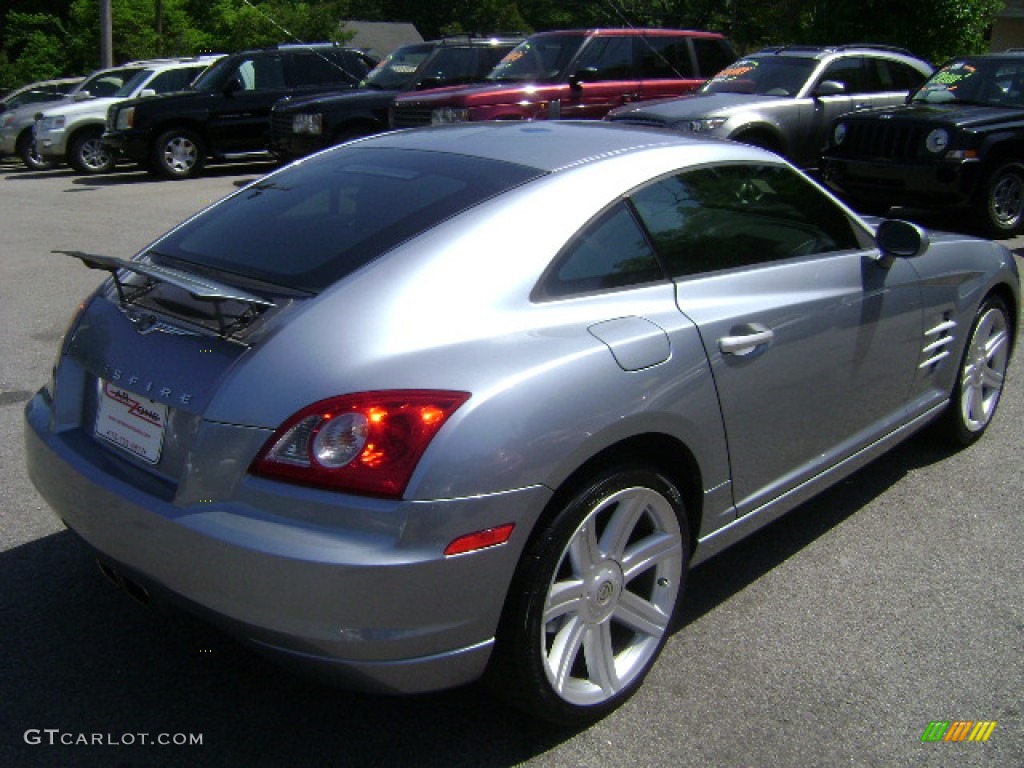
(47, 38)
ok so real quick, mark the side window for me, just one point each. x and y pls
(848, 71)
(610, 252)
(738, 216)
(451, 66)
(261, 73)
(663, 57)
(173, 80)
(903, 76)
(312, 68)
(608, 58)
(713, 55)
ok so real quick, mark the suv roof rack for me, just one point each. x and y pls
(830, 48)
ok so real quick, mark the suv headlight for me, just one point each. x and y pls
(307, 123)
(125, 119)
(704, 124)
(52, 123)
(937, 141)
(449, 115)
(839, 134)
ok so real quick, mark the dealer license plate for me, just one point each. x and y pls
(130, 422)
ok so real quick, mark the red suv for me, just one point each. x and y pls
(575, 74)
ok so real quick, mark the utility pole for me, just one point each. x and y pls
(106, 34)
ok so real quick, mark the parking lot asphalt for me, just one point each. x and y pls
(834, 637)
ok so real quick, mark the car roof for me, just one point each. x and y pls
(551, 145)
(631, 31)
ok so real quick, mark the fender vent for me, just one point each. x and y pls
(937, 343)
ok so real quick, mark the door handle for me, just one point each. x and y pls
(746, 343)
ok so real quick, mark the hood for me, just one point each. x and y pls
(961, 115)
(363, 97)
(74, 108)
(694, 106)
(464, 95)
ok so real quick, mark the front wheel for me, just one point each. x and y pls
(1000, 206)
(30, 156)
(178, 154)
(982, 373)
(594, 598)
(86, 153)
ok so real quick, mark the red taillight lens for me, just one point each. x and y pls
(363, 443)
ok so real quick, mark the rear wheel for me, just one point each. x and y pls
(178, 154)
(26, 149)
(87, 155)
(594, 598)
(982, 374)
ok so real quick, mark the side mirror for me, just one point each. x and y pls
(829, 88)
(905, 239)
(233, 86)
(146, 92)
(581, 76)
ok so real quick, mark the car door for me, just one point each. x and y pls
(813, 341)
(603, 78)
(240, 113)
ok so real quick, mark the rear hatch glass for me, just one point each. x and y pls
(316, 222)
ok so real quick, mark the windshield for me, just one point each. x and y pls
(398, 71)
(316, 222)
(995, 82)
(108, 83)
(762, 75)
(133, 83)
(538, 59)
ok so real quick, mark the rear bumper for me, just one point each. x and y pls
(384, 612)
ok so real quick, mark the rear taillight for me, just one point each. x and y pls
(368, 442)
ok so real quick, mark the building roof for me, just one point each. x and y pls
(381, 37)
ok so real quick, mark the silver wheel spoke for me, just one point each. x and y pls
(564, 650)
(564, 597)
(640, 615)
(584, 553)
(649, 552)
(600, 656)
(623, 522)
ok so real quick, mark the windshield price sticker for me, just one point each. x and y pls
(130, 422)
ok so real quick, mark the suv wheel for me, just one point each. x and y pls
(29, 156)
(178, 154)
(1001, 205)
(87, 155)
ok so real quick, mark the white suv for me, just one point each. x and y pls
(70, 132)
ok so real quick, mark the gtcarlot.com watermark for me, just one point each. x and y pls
(55, 737)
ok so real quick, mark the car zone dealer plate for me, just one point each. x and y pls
(130, 422)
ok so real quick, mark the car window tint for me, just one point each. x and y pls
(611, 252)
(451, 66)
(611, 58)
(664, 57)
(315, 68)
(313, 223)
(174, 80)
(739, 215)
(713, 54)
(261, 73)
(849, 71)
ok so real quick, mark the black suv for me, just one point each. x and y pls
(957, 143)
(303, 124)
(226, 112)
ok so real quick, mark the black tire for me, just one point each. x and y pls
(594, 598)
(87, 155)
(26, 149)
(999, 208)
(178, 154)
(981, 376)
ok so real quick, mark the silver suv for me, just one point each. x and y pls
(784, 99)
(70, 131)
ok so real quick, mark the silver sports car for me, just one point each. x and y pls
(469, 401)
